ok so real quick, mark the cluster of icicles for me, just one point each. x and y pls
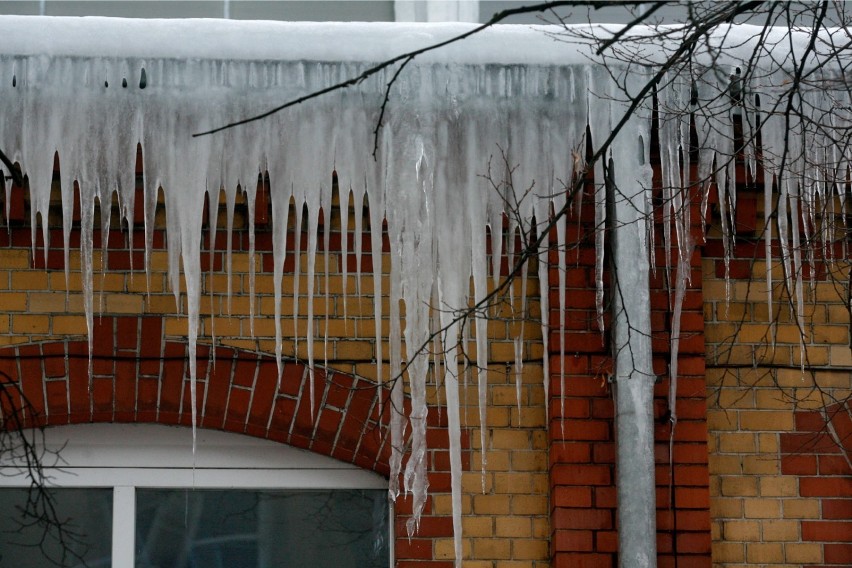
(444, 124)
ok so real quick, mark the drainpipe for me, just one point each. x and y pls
(633, 380)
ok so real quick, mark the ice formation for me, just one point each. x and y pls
(91, 89)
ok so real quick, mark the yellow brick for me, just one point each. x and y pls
(530, 505)
(124, 303)
(801, 509)
(491, 548)
(764, 553)
(715, 531)
(721, 464)
(47, 302)
(444, 548)
(529, 461)
(776, 530)
(762, 508)
(726, 508)
(841, 355)
(766, 465)
(161, 304)
(529, 417)
(530, 549)
(732, 311)
(814, 355)
(510, 439)
(481, 526)
(511, 482)
(29, 324)
(767, 442)
(498, 417)
(793, 378)
(111, 282)
(491, 504)
(541, 527)
(766, 420)
(830, 334)
(737, 442)
(174, 326)
(779, 487)
(741, 531)
(13, 301)
(736, 398)
(69, 325)
(772, 399)
(833, 379)
(739, 486)
(518, 527)
(355, 350)
(443, 504)
(497, 460)
(805, 553)
(14, 258)
(717, 421)
(728, 552)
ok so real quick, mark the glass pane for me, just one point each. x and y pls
(83, 539)
(263, 529)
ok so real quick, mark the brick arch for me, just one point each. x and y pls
(138, 376)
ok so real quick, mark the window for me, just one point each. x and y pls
(135, 495)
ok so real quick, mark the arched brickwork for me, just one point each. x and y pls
(138, 376)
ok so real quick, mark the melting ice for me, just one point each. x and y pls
(92, 89)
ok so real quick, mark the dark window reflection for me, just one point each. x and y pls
(31, 538)
(178, 528)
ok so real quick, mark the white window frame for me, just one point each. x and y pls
(126, 456)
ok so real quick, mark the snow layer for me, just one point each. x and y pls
(510, 101)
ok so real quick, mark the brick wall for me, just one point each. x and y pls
(582, 458)
(140, 373)
(779, 429)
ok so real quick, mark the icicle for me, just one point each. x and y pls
(280, 217)
(598, 103)
(544, 299)
(343, 200)
(250, 198)
(313, 227)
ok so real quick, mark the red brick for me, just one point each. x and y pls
(798, 465)
(57, 398)
(809, 421)
(841, 422)
(570, 474)
(571, 496)
(572, 540)
(54, 359)
(833, 465)
(825, 487)
(238, 401)
(688, 498)
(837, 508)
(691, 475)
(827, 531)
(578, 559)
(126, 332)
(582, 519)
(838, 553)
(694, 520)
(219, 381)
(570, 452)
(606, 541)
(803, 443)
(693, 543)
(579, 429)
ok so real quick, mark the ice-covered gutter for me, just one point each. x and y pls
(90, 89)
